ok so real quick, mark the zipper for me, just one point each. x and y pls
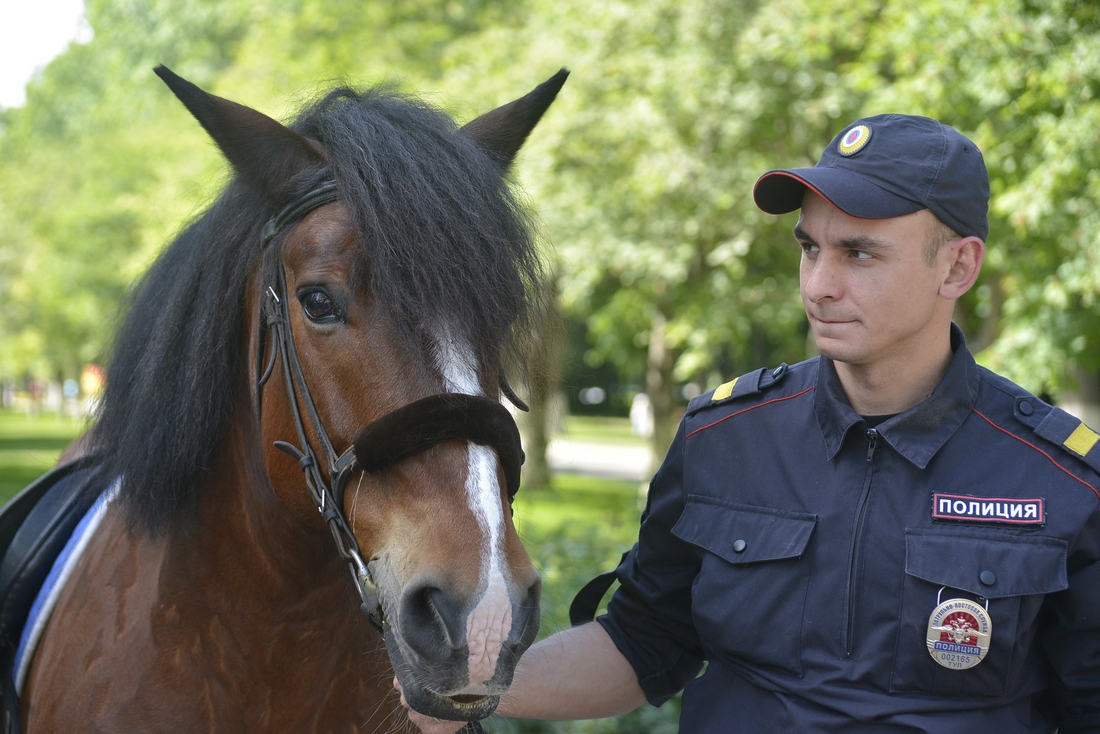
(857, 542)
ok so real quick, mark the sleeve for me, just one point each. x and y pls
(649, 616)
(1071, 638)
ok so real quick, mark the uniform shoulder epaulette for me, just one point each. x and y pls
(751, 383)
(1060, 428)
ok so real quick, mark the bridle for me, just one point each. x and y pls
(395, 436)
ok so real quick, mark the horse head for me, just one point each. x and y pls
(380, 314)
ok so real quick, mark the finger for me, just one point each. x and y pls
(429, 725)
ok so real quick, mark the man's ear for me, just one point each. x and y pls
(965, 259)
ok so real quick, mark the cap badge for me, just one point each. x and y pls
(959, 631)
(854, 140)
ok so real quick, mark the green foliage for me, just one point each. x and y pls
(1028, 96)
(91, 179)
(102, 164)
(642, 172)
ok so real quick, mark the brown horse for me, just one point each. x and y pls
(366, 329)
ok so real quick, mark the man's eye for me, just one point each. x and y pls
(861, 255)
(318, 306)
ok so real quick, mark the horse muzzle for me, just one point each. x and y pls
(426, 635)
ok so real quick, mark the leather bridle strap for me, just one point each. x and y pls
(326, 495)
(326, 193)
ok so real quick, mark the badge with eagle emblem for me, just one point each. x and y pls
(959, 631)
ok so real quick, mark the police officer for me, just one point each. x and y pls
(885, 538)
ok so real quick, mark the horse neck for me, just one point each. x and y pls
(251, 565)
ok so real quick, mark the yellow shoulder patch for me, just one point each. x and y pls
(1081, 440)
(724, 390)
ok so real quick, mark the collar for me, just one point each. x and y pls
(918, 433)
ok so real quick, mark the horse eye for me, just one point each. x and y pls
(318, 306)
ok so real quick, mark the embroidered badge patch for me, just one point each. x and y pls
(959, 631)
(854, 140)
(965, 508)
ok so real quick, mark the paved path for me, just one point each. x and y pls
(605, 460)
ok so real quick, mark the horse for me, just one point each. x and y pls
(303, 422)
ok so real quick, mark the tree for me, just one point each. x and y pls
(101, 167)
(646, 173)
(1028, 96)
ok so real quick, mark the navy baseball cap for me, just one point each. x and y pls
(888, 166)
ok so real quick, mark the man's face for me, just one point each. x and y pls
(869, 293)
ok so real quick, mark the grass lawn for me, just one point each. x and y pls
(572, 532)
(575, 498)
(29, 446)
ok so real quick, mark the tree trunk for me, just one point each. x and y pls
(661, 389)
(545, 363)
(538, 428)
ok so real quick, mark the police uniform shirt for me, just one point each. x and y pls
(802, 555)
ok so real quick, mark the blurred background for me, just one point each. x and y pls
(670, 280)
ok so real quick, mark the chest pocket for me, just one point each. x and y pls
(749, 597)
(1012, 572)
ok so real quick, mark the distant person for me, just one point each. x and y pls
(641, 415)
(885, 538)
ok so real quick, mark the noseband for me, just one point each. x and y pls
(397, 435)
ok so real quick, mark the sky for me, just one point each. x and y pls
(31, 33)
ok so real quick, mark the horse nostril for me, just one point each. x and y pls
(431, 621)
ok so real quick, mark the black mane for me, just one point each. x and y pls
(444, 245)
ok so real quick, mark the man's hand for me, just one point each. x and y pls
(577, 673)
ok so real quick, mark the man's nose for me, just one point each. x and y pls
(822, 279)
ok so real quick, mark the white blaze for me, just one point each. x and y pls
(489, 623)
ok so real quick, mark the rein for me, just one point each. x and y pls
(395, 436)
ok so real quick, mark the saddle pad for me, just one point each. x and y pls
(51, 588)
(34, 527)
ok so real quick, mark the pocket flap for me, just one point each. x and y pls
(744, 533)
(1015, 565)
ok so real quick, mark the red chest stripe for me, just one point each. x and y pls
(1044, 453)
(746, 410)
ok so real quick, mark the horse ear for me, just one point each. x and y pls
(263, 152)
(502, 132)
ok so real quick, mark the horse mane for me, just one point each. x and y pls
(444, 245)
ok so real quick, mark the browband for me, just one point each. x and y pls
(324, 194)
